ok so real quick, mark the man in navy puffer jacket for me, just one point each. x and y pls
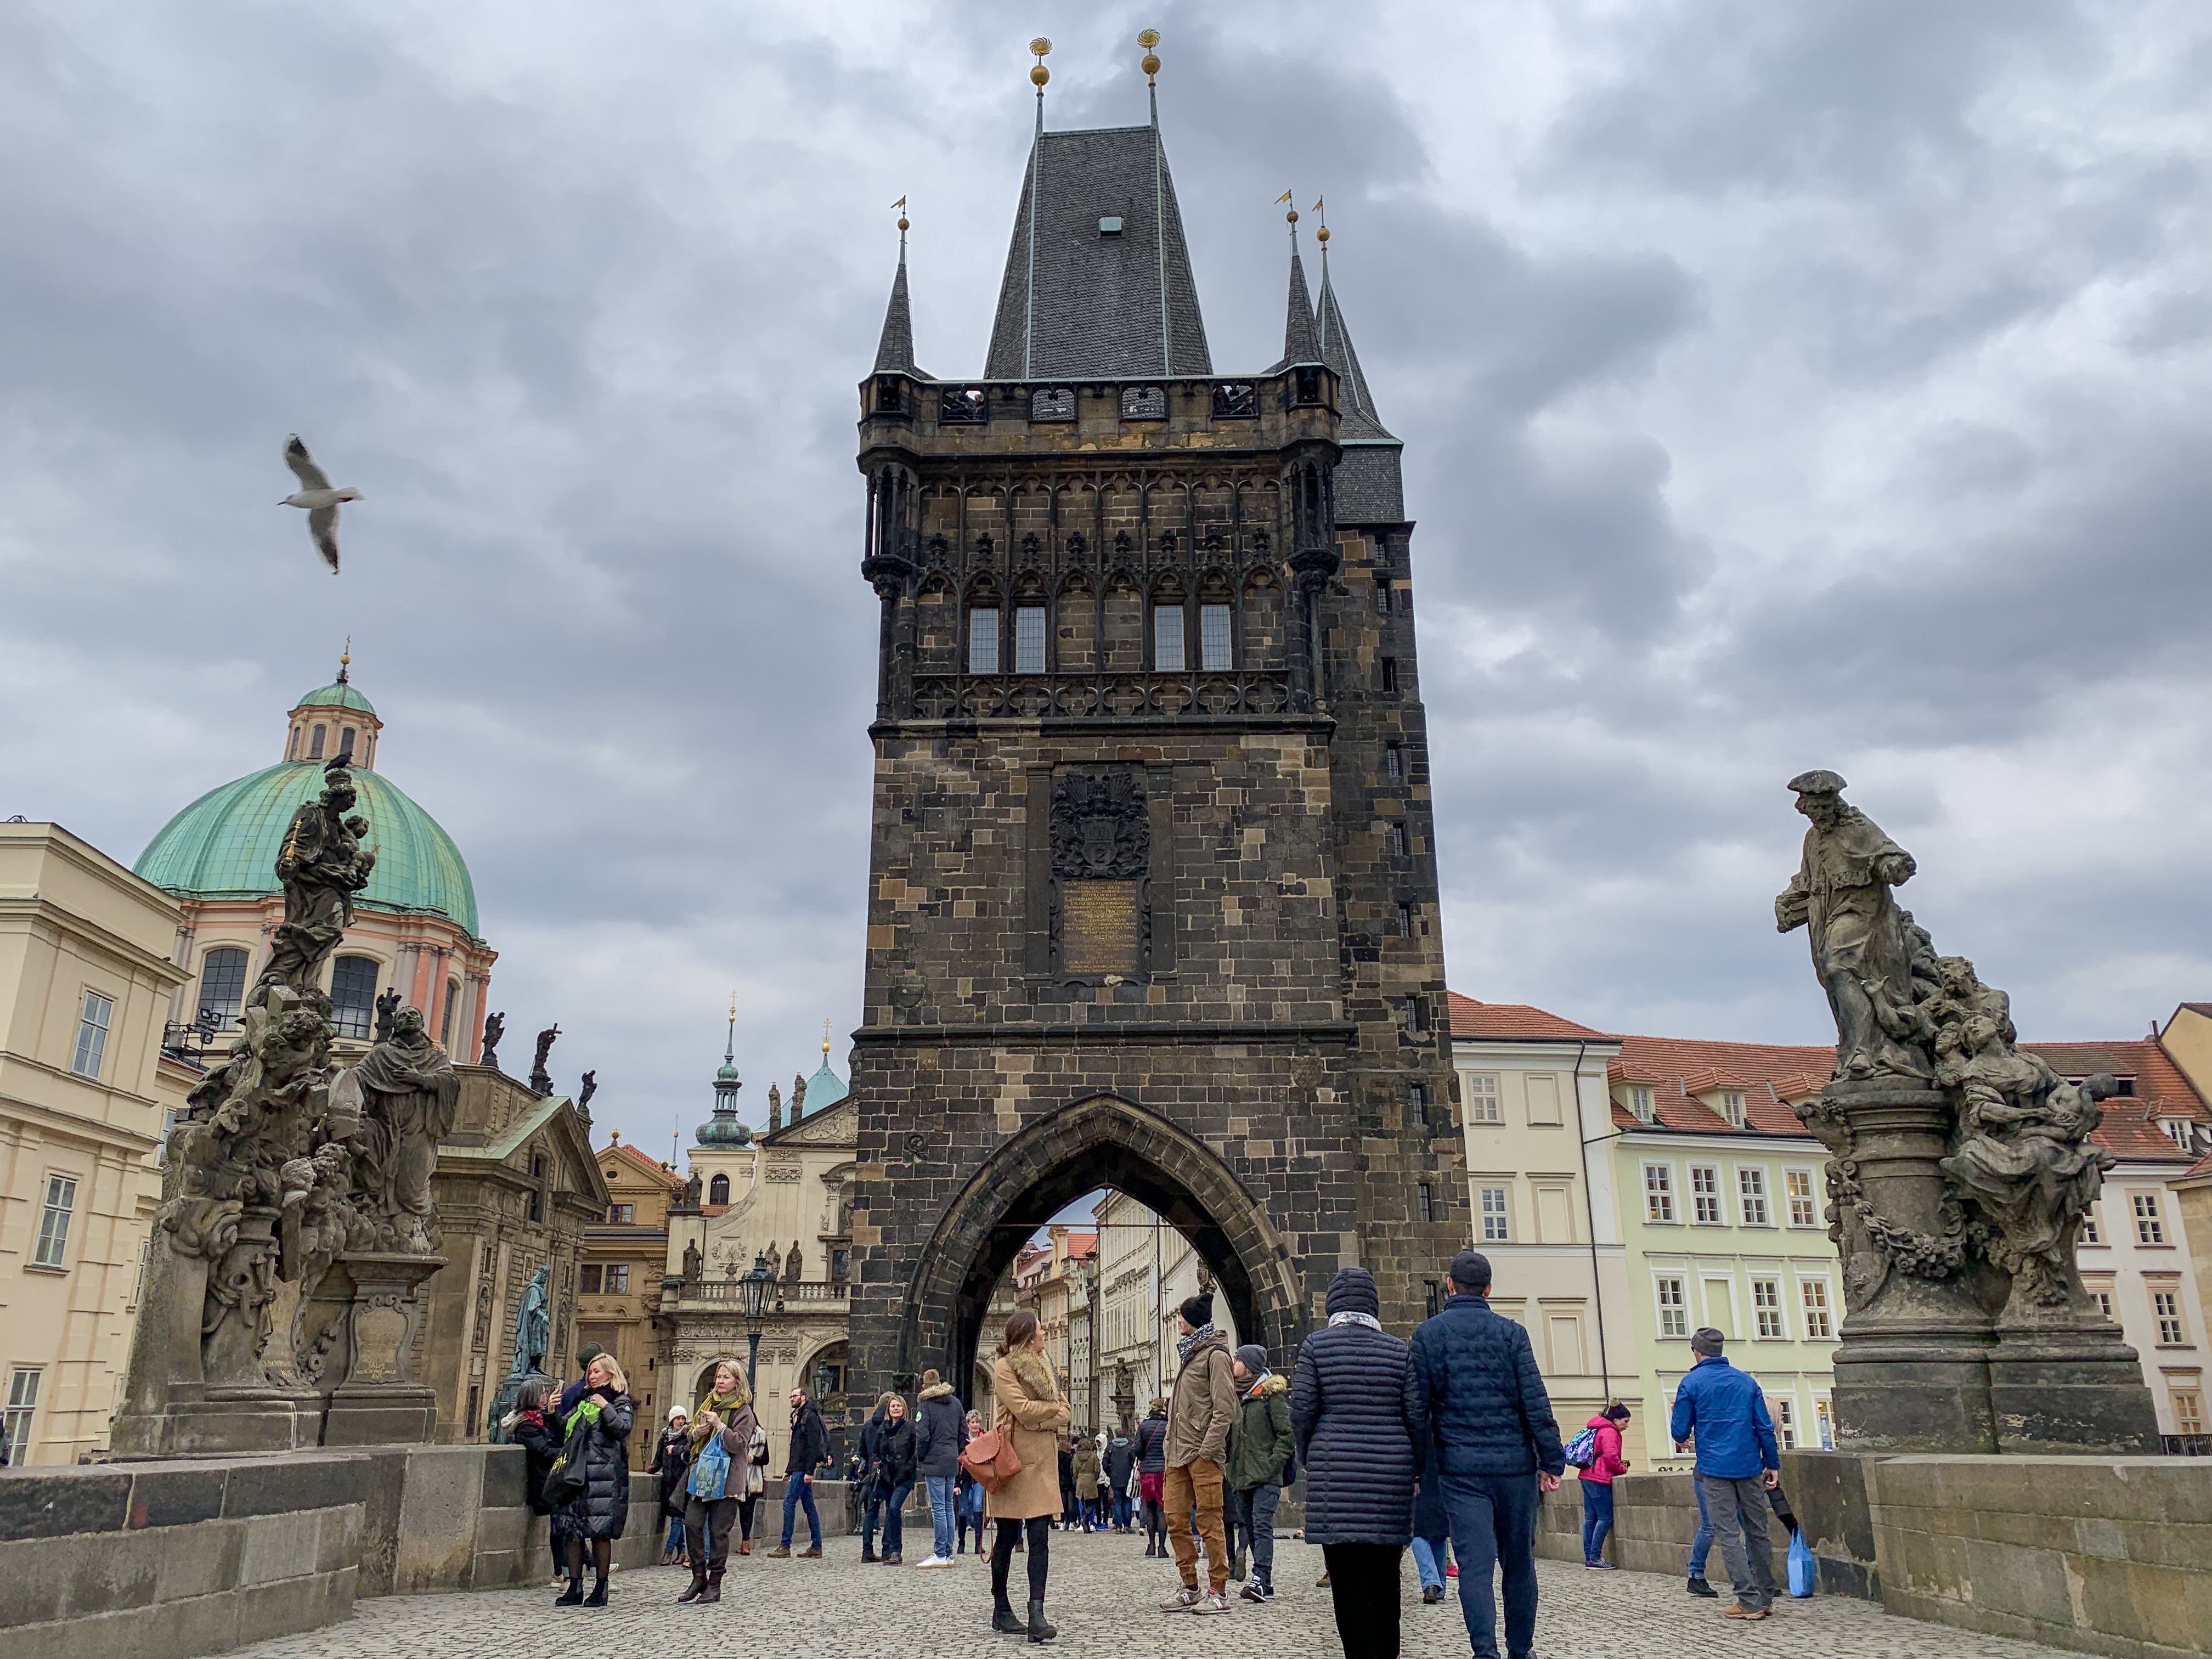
(1480, 1413)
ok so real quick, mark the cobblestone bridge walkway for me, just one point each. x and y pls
(1104, 1597)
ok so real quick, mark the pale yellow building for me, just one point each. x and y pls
(780, 1196)
(1146, 1271)
(85, 986)
(1540, 1200)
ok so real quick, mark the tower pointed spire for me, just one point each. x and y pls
(1354, 401)
(1368, 487)
(894, 351)
(1300, 344)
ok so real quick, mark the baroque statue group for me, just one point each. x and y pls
(284, 1166)
(1960, 1168)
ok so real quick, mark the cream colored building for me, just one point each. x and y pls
(85, 986)
(780, 1196)
(1146, 1271)
(1540, 1201)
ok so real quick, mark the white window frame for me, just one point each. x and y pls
(1766, 1299)
(95, 1016)
(983, 639)
(1753, 1208)
(1824, 1421)
(2167, 1315)
(1678, 1309)
(1481, 1089)
(1785, 1421)
(1032, 624)
(1659, 1195)
(2150, 1221)
(1497, 1220)
(1814, 1310)
(1216, 639)
(57, 1210)
(1810, 1198)
(1641, 1105)
(22, 1412)
(1700, 1199)
(2091, 1233)
(1732, 1107)
(1170, 654)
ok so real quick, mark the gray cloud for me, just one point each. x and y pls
(1805, 384)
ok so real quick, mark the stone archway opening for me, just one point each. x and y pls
(1100, 1142)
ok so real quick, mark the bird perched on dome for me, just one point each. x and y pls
(316, 495)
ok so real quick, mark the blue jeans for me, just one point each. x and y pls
(940, 1512)
(1429, 1560)
(1597, 1516)
(1701, 1546)
(1122, 1510)
(1494, 1529)
(674, 1541)
(895, 1517)
(798, 1491)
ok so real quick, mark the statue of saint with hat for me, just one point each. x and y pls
(1841, 895)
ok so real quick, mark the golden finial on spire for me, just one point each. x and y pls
(1320, 207)
(733, 1005)
(1148, 39)
(901, 205)
(345, 659)
(825, 1041)
(1040, 75)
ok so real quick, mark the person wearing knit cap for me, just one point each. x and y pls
(1482, 1416)
(1360, 1455)
(1259, 1443)
(1200, 1409)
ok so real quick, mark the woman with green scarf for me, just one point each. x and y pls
(721, 1444)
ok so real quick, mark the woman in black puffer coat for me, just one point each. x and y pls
(598, 1432)
(1348, 1411)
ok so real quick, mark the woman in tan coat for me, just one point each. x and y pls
(1029, 1416)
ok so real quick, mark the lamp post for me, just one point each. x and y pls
(755, 1292)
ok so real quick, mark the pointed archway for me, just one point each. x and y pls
(1102, 1141)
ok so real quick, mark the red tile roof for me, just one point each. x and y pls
(1772, 1074)
(1514, 1022)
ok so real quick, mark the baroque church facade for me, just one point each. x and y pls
(1153, 890)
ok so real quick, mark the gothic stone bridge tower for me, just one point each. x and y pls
(1152, 894)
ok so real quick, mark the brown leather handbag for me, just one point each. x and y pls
(991, 1458)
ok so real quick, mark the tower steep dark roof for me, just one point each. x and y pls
(1370, 486)
(1300, 344)
(1081, 298)
(894, 351)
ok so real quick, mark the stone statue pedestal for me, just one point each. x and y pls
(379, 1403)
(1912, 1367)
(2071, 1387)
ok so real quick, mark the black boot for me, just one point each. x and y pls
(698, 1585)
(571, 1597)
(867, 1550)
(1039, 1630)
(713, 1589)
(1003, 1619)
(598, 1598)
(1697, 1586)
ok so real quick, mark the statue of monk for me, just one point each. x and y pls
(408, 1092)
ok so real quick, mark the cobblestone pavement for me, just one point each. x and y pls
(1104, 1597)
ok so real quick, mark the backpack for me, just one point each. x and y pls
(1582, 1450)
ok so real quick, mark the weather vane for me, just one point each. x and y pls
(1148, 39)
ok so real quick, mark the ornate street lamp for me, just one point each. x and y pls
(755, 1289)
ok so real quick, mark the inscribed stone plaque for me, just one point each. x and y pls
(1098, 927)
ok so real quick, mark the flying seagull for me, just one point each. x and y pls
(321, 501)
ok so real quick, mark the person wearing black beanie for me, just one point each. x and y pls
(1360, 1455)
(1200, 1411)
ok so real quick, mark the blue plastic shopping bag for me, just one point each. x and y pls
(1802, 1571)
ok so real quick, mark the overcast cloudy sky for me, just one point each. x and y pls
(1782, 385)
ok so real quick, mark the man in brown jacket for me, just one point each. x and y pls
(1200, 1414)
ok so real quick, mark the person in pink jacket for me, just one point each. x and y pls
(1597, 1483)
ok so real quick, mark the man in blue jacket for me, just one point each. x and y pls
(1479, 1414)
(1737, 1463)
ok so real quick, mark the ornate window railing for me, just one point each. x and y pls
(1083, 694)
(788, 1292)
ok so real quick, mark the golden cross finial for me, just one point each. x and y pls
(825, 1040)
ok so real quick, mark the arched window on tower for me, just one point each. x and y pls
(345, 741)
(223, 985)
(446, 1020)
(718, 1190)
(353, 996)
(315, 743)
(292, 747)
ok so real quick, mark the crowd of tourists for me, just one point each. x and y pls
(1442, 1445)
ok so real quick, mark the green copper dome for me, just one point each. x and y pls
(224, 845)
(824, 1087)
(339, 695)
